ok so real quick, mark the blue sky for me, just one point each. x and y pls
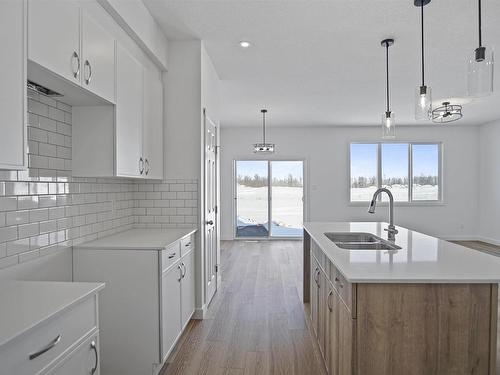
(280, 169)
(394, 160)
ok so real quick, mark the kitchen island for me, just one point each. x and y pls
(424, 306)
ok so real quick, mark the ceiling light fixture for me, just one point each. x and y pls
(263, 148)
(388, 117)
(245, 44)
(480, 67)
(423, 94)
(447, 113)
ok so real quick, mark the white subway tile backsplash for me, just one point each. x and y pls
(8, 203)
(44, 210)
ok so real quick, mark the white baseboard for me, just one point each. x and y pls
(199, 312)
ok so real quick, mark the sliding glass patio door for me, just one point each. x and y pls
(269, 198)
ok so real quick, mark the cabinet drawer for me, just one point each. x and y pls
(187, 244)
(170, 255)
(55, 335)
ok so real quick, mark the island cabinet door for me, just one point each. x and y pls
(339, 341)
(322, 311)
(314, 294)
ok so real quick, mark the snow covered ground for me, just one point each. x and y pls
(400, 193)
(287, 209)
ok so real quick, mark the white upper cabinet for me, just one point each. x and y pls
(54, 37)
(129, 115)
(67, 41)
(153, 125)
(13, 78)
(98, 58)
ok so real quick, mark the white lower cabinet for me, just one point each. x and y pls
(187, 288)
(148, 300)
(60, 344)
(171, 307)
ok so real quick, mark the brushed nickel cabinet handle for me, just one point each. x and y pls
(141, 165)
(96, 364)
(170, 256)
(45, 349)
(147, 166)
(89, 78)
(180, 269)
(75, 56)
(328, 300)
(188, 244)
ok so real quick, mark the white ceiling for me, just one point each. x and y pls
(321, 63)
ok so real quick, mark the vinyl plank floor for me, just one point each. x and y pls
(257, 323)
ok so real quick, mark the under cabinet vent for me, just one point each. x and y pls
(43, 90)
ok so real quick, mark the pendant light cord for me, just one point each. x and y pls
(422, 30)
(387, 72)
(480, 24)
(264, 127)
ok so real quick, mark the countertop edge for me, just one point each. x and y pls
(89, 246)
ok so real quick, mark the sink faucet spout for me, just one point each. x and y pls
(391, 230)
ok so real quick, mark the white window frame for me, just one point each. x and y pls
(410, 202)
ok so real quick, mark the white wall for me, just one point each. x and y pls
(326, 151)
(489, 141)
(191, 85)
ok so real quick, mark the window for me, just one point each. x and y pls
(411, 171)
(269, 198)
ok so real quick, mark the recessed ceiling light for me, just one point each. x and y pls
(245, 44)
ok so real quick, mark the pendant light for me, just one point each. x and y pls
(388, 118)
(480, 67)
(263, 148)
(423, 94)
(447, 113)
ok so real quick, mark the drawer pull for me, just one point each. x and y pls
(94, 347)
(46, 349)
(170, 256)
(337, 280)
(188, 244)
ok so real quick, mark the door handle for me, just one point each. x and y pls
(210, 222)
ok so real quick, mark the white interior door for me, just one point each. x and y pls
(210, 208)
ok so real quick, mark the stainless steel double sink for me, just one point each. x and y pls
(360, 241)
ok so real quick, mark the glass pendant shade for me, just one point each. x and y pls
(480, 72)
(388, 125)
(423, 102)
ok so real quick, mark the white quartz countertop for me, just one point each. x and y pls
(25, 304)
(138, 239)
(421, 259)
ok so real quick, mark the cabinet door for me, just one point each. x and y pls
(187, 288)
(322, 311)
(345, 338)
(332, 341)
(54, 36)
(129, 77)
(314, 294)
(13, 78)
(170, 308)
(153, 125)
(82, 361)
(98, 58)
